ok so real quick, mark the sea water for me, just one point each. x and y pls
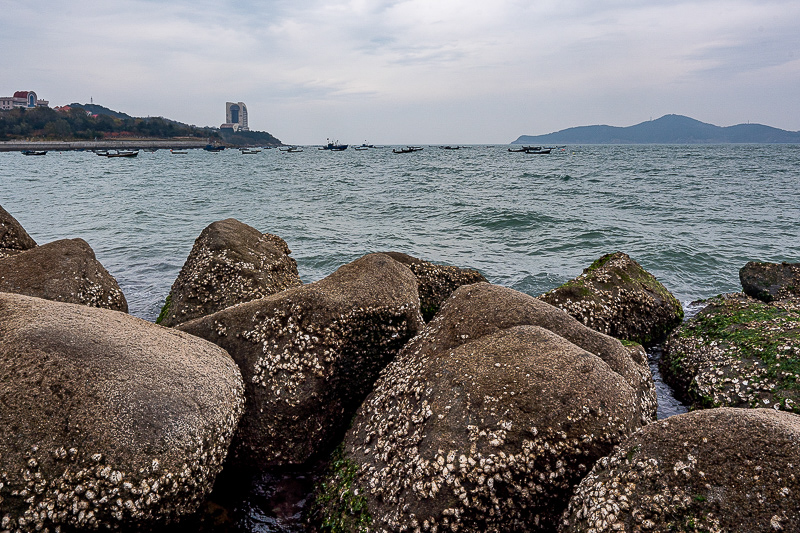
(692, 215)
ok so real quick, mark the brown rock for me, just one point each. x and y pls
(616, 296)
(63, 271)
(435, 283)
(712, 470)
(310, 354)
(12, 235)
(107, 421)
(484, 422)
(230, 263)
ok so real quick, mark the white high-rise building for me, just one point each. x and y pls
(235, 116)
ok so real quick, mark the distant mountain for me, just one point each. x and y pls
(669, 129)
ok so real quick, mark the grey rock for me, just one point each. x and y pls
(63, 271)
(310, 354)
(484, 422)
(618, 297)
(107, 421)
(12, 235)
(230, 263)
(770, 281)
(711, 470)
(435, 283)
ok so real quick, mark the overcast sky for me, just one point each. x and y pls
(416, 71)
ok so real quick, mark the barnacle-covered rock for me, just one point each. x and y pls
(64, 271)
(484, 422)
(107, 421)
(310, 354)
(13, 236)
(737, 352)
(771, 281)
(616, 296)
(230, 263)
(435, 283)
(715, 470)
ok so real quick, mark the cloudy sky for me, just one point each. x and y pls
(412, 71)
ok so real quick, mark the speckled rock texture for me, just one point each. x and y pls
(64, 271)
(107, 421)
(435, 283)
(309, 355)
(711, 471)
(12, 235)
(484, 422)
(771, 281)
(230, 263)
(737, 352)
(616, 296)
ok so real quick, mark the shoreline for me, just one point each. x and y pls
(136, 144)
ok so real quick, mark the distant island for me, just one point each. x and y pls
(669, 129)
(86, 122)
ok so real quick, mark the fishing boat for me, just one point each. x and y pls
(539, 151)
(334, 146)
(407, 150)
(214, 148)
(178, 152)
(448, 147)
(291, 149)
(248, 151)
(34, 152)
(123, 153)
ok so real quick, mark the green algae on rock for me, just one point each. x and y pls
(737, 352)
(616, 296)
(714, 470)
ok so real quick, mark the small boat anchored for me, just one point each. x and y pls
(123, 153)
(178, 152)
(34, 152)
(334, 146)
(407, 150)
(291, 149)
(249, 151)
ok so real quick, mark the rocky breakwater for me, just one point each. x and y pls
(107, 421)
(739, 351)
(230, 263)
(485, 421)
(310, 354)
(435, 283)
(616, 296)
(13, 237)
(715, 470)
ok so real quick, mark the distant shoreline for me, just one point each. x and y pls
(134, 144)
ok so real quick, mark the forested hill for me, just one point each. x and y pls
(669, 129)
(92, 121)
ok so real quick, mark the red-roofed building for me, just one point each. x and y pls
(22, 99)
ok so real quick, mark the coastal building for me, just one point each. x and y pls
(235, 116)
(26, 99)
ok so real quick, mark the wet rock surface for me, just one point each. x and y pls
(435, 283)
(12, 235)
(309, 355)
(738, 352)
(230, 263)
(771, 281)
(484, 422)
(64, 271)
(616, 296)
(716, 470)
(107, 421)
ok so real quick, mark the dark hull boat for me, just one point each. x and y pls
(34, 152)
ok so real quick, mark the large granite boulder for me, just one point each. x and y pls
(435, 283)
(64, 271)
(13, 236)
(771, 281)
(737, 352)
(616, 296)
(712, 470)
(107, 421)
(309, 355)
(230, 263)
(484, 422)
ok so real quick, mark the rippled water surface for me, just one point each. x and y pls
(690, 215)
